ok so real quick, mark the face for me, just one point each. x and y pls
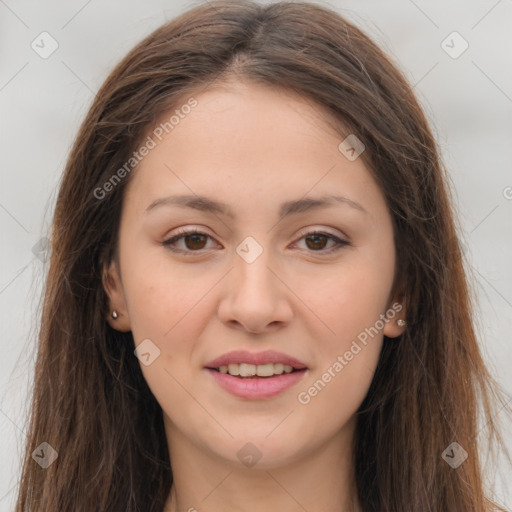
(272, 270)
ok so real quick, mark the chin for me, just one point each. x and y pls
(260, 452)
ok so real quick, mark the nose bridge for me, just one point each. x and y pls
(252, 264)
(254, 297)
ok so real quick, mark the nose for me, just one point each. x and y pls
(255, 297)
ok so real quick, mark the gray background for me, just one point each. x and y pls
(467, 99)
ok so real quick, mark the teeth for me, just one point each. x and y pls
(233, 369)
(265, 370)
(250, 370)
(278, 368)
(247, 370)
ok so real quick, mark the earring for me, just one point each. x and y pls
(401, 323)
(114, 314)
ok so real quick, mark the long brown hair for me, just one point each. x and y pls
(91, 402)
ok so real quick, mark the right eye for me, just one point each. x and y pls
(194, 241)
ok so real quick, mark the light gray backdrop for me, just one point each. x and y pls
(45, 92)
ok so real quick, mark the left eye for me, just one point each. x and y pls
(320, 238)
(195, 241)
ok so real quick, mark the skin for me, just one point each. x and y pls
(254, 147)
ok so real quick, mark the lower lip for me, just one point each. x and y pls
(257, 388)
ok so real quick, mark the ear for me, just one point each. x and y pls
(116, 300)
(396, 311)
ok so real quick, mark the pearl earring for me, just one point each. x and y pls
(401, 323)
(114, 314)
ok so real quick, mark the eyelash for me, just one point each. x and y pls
(184, 233)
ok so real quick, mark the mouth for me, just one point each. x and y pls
(256, 371)
(255, 382)
(256, 375)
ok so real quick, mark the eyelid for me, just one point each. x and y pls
(320, 230)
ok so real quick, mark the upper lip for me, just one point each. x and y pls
(265, 357)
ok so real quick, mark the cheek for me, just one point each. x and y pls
(160, 298)
(331, 399)
(165, 307)
(351, 297)
(352, 306)
(350, 302)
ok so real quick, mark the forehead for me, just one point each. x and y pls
(247, 137)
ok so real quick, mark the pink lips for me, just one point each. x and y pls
(243, 356)
(255, 388)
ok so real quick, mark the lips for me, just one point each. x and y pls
(256, 376)
(255, 358)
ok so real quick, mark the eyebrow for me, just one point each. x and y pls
(207, 204)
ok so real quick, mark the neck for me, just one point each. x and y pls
(321, 480)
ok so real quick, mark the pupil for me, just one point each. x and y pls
(316, 237)
(193, 237)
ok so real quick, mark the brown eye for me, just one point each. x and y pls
(193, 241)
(317, 241)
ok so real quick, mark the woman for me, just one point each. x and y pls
(256, 298)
